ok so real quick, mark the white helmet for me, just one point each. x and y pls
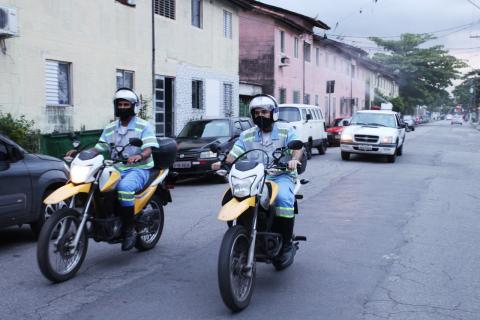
(264, 101)
(129, 95)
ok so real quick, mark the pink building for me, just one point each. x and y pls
(280, 52)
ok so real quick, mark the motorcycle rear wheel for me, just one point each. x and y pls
(55, 258)
(236, 287)
(151, 233)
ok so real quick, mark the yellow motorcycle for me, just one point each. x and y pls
(247, 208)
(63, 240)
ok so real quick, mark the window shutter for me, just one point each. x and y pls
(227, 24)
(165, 8)
(51, 82)
(228, 99)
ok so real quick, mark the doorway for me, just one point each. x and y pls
(164, 110)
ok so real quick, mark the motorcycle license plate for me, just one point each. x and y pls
(182, 164)
(365, 147)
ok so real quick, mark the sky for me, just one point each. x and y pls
(454, 22)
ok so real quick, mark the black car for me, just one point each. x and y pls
(25, 180)
(194, 157)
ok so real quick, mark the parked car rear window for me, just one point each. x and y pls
(289, 114)
(206, 129)
(246, 125)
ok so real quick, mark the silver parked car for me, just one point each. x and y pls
(410, 122)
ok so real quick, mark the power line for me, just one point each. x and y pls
(474, 4)
(456, 28)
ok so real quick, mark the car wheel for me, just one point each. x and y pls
(322, 148)
(45, 212)
(309, 150)
(400, 151)
(345, 156)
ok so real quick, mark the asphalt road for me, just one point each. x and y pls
(385, 241)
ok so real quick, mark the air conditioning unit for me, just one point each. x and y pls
(8, 22)
(284, 61)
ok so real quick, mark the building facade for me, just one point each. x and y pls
(68, 57)
(279, 51)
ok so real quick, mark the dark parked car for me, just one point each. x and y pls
(25, 180)
(194, 157)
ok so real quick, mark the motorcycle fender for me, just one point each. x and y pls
(234, 208)
(65, 192)
(274, 194)
(142, 199)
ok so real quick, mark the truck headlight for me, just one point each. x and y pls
(208, 154)
(388, 139)
(79, 174)
(241, 187)
(346, 138)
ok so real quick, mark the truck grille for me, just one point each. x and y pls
(366, 138)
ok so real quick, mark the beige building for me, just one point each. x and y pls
(62, 60)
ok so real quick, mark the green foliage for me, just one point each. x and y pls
(424, 72)
(144, 110)
(21, 131)
(462, 94)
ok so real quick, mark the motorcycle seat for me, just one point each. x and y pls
(153, 175)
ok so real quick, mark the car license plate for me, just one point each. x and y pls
(182, 164)
(365, 147)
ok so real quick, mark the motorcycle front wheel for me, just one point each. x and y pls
(56, 258)
(236, 286)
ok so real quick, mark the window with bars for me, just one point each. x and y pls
(227, 24)
(57, 83)
(228, 99)
(283, 95)
(307, 48)
(197, 8)
(295, 47)
(282, 41)
(197, 94)
(125, 79)
(165, 8)
(296, 96)
(306, 99)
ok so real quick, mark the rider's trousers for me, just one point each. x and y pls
(133, 180)
(285, 198)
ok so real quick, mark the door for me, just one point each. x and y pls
(164, 110)
(16, 195)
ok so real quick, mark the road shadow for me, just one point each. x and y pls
(201, 181)
(14, 236)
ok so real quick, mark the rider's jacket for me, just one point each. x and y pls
(115, 134)
(282, 133)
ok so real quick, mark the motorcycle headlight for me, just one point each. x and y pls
(241, 187)
(208, 154)
(388, 139)
(79, 174)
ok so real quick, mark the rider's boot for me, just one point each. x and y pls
(287, 253)
(129, 233)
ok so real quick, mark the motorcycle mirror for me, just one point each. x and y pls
(76, 143)
(136, 142)
(295, 145)
(221, 157)
(222, 172)
(277, 154)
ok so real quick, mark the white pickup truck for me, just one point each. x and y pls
(379, 132)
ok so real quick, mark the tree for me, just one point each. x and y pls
(467, 93)
(424, 72)
(21, 131)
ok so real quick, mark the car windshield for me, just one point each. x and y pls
(206, 129)
(374, 119)
(289, 114)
